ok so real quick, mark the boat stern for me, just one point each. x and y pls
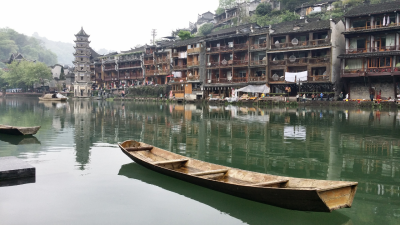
(338, 197)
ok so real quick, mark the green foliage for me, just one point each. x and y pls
(24, 74)
(219, 11)
(183, 35)
(290, 5)
(31, 48)
(263, 9)
(205, 29)
(274, 17)
(62, 74)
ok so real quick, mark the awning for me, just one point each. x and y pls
(254, 89)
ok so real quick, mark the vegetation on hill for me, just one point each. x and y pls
(64, 51)
(205, 29)
(30, 47)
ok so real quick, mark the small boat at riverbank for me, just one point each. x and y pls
(53, 97)
(18, 130)
(285, 192)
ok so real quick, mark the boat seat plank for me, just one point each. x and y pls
(170, 161)
(209, 172)
(131, 149)
(270, 183)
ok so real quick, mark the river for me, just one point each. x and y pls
(83, 178)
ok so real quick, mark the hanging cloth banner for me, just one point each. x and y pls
(291, 77)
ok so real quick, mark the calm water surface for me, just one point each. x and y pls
(83, 178)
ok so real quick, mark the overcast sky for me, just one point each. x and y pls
(113, 24)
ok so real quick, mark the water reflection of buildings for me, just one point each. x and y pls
(83, 132)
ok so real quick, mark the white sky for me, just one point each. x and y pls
(113, 24)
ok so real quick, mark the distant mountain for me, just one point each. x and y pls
(63, 50)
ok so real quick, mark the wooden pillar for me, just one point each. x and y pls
(287, 38)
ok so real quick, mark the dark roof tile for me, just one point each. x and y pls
(373, 9)
(300, 25)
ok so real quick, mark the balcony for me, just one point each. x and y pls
(163, 60)
(110, 78)
(318, 78)
(163, 72)
(372, 27)
(257, 78)
(177, 79)
(297, 61)
(175, 54)
(180, 67)
(301, 44)
(277, 62)
(150, 72)
(148, 62)
(194, 51)
(229, 80)
(238, 47)
(193, 78)
(194, 63)
(373, 49)
(258, 46)
(129, 67)
(240, 62)
(258, 62)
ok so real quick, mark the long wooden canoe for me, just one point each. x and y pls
(18, 130)
(286, 192)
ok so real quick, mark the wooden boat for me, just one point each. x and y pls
(18, 130)
(286, 192)
(52, 97)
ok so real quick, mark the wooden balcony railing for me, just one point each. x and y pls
(177, 79)
(193, 50)
(163, 60)
(300, 44)
(194, 63)
(175, 54)
(150, 72)
(148, 62)
(109, 68)
(239, 79)
(229, 80)
(179, 67)
(257, 78)
(163, 72)
(373, 49)
(193, 78)
(241, 46)
(212, 64)
(258, 46)
(296, 61)
(372, 27)
(258, 62)
(178, 91)
(277, 62)
(318, 60)
(318, 78)
(240, 63)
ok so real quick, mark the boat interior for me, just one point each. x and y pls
(335, 194)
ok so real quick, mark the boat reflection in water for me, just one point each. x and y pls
(245, 210)
(19, 140)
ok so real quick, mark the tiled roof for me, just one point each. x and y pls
(81, 33)
(373, 9)
(245, 28)
(93, 54)
(308, 4)
(299, 25)
(368, 54)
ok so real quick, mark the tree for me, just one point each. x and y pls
(62, 74)
(183, 35)
(263, 9)
(205, 29)
(24, 74)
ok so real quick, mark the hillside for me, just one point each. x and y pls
(32, 48)
(63, 50)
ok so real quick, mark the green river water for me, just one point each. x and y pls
(82, 177)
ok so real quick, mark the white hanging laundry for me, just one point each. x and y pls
(291, 77)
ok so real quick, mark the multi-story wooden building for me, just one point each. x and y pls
(371, 63)
(236, 57)
(305, 50)
(187, 61)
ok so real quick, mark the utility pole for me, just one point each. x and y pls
(154, 34)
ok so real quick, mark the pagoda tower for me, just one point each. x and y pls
(82, 84)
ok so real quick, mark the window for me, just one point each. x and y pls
(381, 62)
(81, 78)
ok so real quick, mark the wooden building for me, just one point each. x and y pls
(371, 63)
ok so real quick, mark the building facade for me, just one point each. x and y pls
(371, 62)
